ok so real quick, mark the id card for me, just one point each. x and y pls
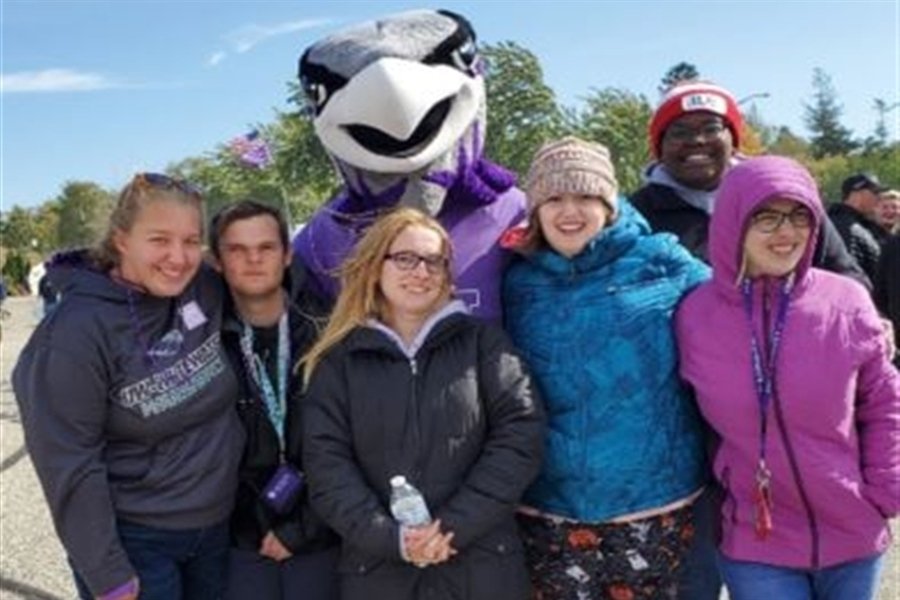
(283, 489)
(192, 315)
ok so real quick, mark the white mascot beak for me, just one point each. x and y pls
(393, 96)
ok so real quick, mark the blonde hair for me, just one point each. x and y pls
(361, 298)
(143, 189)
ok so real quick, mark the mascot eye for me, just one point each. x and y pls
(464, 57)
(318, 83)
(458, 50)
(317, 94)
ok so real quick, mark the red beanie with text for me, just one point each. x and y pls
(695, 97)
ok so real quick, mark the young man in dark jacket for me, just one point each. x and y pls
(695, 134)
(280, 548)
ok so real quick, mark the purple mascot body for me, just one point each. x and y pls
(399, 104)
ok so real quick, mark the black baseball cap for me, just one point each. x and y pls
(861, 181)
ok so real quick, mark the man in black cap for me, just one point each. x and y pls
(854, 219)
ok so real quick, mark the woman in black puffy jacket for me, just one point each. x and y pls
(404, 382)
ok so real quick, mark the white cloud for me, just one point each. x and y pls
(216, 58)
(245, 38)
(54, 80)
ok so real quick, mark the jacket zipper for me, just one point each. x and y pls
(417, 434)
(786, 441)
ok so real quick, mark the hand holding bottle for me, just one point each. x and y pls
(426, 545)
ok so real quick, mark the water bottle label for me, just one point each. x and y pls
(411, 511)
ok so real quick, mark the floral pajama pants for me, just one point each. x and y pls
(636, 560)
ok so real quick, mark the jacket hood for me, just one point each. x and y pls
(745, 188)
(74, 272)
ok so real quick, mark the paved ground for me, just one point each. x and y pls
(32, 564)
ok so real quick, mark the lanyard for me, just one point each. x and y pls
(274, 396)
(764, 381)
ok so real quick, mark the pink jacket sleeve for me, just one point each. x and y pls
(878, 416)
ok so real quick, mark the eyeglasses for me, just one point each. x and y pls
(683, 133)
(769, 221)
(409, 261)
(164, 182)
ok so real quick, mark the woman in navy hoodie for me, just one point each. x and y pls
(127, 403)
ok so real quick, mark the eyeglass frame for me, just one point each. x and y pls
(802, 213)
(681, 133)
(435, 264)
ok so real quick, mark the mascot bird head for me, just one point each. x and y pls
(399, 104)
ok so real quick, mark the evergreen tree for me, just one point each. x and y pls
(823, 119)
(680, 73)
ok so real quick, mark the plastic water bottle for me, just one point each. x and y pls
(407, 503)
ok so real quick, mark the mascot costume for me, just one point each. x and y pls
(399, 104)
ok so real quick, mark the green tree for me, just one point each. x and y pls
(84, 209)
(46, 227)
(18, 229)
(299, 178)
(618, 119)
(680, 73)
(882, 108)
(879, 138)
(787, 143)
(823, 119)
(522, 109)
(765, 133)
(829, 172)
(15, 271)
(301, 162)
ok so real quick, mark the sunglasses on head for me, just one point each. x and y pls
(161, 181)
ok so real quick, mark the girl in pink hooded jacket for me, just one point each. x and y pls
(789, 368)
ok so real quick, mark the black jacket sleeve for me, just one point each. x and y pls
(887, 287)
(832, 255)
(513, 449)
(337, 486)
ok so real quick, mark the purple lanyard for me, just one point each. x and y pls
(764, 368)
(764, 382)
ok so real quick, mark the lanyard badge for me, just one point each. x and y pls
(764, 383)
(274, 394)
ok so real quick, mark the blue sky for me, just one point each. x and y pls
(95, 90)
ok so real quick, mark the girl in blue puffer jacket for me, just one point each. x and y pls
(590, 304)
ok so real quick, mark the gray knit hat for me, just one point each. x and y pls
(571, 165)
